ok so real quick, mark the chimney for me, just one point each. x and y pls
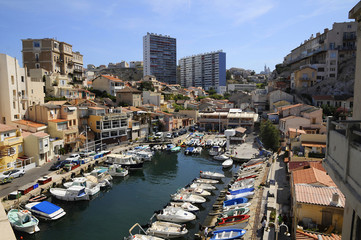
(335, 198)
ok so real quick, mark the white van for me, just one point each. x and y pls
(158, 136)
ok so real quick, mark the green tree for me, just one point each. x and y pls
(211, 91)
(146, 86)
(270, 135)
(328, 110)
(228, 75)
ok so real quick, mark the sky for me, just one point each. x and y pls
(252, 33)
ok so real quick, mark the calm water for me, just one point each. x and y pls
(132, 199)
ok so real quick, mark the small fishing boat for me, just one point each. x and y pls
(244, 194)
(45, 210)
(187, 197)
(247, 177)
(235, 201)
(176, 149)
(235, 188)
(228, 234)
(101, 175)
(204, 186)
(167, 230)
(189, 150)
(232, 220)
(131, 162)
(233, 207)
(198, 191)
(211, 175)
(242, 183)
(243, 190)
(139, 236)
(145, 156)
(185, 206)
(221, 157)
(38, 198)
(235, 212)
(23, 221)
(215, 150)
(91, 188)
(116, 170)
(197, 150)
(73, 193)
(175, 214)
(227, 164)
(169, 147)
(206, 180)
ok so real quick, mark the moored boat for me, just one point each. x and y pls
(187, 197)
(232, 220)
(185, 206)
(175, 214)
(206, 180)
(73, 193)
(189, 150)
(215, 150)
(131, 162)
(235, 201)
(22, 220)
(227, 164)
(244, 194)
(91, 187)
(204, 186)
(221, 157)
(228, 234)
(45, 210)
(176, 149)
(198, 191)
(235, 212)
(140, 236)
(235, 206)
(211, 175)
(243, 190)
(116, 170)
(167, 229)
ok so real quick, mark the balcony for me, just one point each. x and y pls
(11, 141)
(343, 156)
(70, 63)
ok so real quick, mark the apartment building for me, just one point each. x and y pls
(53, 56)
(325, 50)
(11, 147)
(160, 57)
(206, 70)
(17, 91)
(343, 154)
(108, 83)
(129, 96)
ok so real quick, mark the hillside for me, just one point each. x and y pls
(126, 74)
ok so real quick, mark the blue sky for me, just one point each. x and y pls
(252, 33)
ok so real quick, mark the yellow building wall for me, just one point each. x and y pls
(315, 213)
(15, 142)
(53, 130)
(309, 72)
(92, 123)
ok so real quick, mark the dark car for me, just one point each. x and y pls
(59, 164)
(182, 131)
(175, 134)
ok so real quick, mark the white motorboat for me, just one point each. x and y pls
(204, 186)
(197, 150)
(167, 230)
(221, 157)
(187, 197)
(140, 236)
(211, 175)
(45, 210)
(205, 180)
(198, 191)
(116, 170)
(240, 205)
(245, 194)
(91, 187)
(242, 183)
(185, 206)
(209, 143)
(102, 176)
(239, 187)
(73, 193)
(145, 155)
(175, 214)
(227, 164)
(131, 162)
(23, 221)
(215, 150)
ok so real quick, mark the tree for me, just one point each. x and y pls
(270, 135)
(146, 86)
(211, 91)
(228, 75)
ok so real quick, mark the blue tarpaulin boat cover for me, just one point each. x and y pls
(46, 207)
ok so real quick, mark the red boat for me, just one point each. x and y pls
(232, 219)
(247, 177)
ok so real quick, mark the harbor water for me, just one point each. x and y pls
(133, 199)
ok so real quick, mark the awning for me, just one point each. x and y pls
(72, 108)
(314, 145)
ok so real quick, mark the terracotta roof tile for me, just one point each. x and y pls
(58, 120)
(111, 78)
(298, 165)
(323, 97)
(312, 176)
(5, 128)
(41, 134)
(301, 235)
(292, 106)
(29, 123)
(318, 195)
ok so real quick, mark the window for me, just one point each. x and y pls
(332, 69)
(22, 78)
(36, 44)
(74, 122)
(20, 148)
(98, 126)
(23, 104)
(12, 80)
(332, 75)
(114, 133)
(45, 142)
(333, 55)
(37, 65)
(37, 57)
(105, 134)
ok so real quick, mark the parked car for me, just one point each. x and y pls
(175, 134)
(59, 164)
(74, 156)
(182, 131)
(14, 173)
(158, 136)
(169, 135)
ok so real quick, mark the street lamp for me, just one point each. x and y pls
(286, 233)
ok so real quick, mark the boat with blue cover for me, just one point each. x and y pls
(235, 192)
(226, 234)
(235, 201)
(189, 150)
(176, 149)
(45, 210)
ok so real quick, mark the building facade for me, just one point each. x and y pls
(206, 70)
(17, 91)
(53, 56)
(160, 57)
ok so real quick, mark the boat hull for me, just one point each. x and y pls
(228, 234)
